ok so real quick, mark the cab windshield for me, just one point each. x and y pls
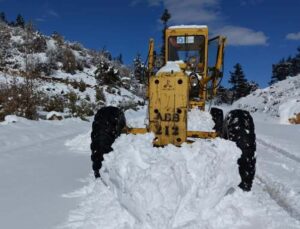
(186, 47)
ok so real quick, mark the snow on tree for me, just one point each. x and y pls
(106, 74)
(4, 41)
(139, 69)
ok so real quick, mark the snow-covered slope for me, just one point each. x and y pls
(59, 70)
(280, 101)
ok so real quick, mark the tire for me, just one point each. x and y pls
(107, 126)
(239, 128)
(218, 117)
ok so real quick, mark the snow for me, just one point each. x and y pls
(17, 39)
(53, 113)
(137, 119)
(169, 67)
(47, 182)
(200, 120)
(119, 97)
(279, 101)
(188, 27)
(289, 110)
(162, 187)
(51, 44)
(10, 119)
(36, 170)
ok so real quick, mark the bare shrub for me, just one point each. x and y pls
(18, 99)
(69, 61)
(54, 103)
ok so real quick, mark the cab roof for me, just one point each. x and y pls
(188, 27)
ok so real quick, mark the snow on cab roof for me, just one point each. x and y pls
(188, 26)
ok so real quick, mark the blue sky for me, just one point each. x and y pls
(260, 32)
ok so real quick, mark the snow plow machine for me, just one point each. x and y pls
(185, 78)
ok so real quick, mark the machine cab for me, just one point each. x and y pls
(186, 45)
(200, 57)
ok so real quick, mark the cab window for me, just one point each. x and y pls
(186, 47)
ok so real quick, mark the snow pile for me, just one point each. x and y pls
(10, 119)
(200, 120)
(137, 119)
(53, 115)
(169, 67)
(289, 110)
(166, 187)
(279, 100)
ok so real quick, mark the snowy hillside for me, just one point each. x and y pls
(62, 74)
(280, 101)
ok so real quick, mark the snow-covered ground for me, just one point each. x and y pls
(46, 180)
(36, 169)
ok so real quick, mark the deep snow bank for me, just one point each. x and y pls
(168, 187)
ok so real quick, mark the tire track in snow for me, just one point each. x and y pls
(278, 191)
(278, 150)
(278, 194)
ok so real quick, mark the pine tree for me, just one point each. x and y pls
(238, 82)
(3, 17)
(165, 17)
(281, 70)
(120, 58)
(20, 21)
(139, 68)
(296, 63)
(286, 67)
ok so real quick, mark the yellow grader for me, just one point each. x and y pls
(185, 78)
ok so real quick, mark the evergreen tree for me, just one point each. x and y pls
(281, 70)
(165, 17)
(3, 17)
(238, 82)
(296, 63)
(139, 68)
(20, 21)
(285, 68)
(120, 59)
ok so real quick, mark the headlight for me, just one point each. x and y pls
(194, 81)
(192, 61)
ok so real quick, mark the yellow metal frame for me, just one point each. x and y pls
(168, 93)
